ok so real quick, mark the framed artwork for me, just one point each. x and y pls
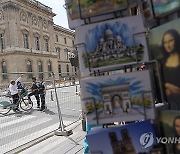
(88, 8)
(169, 121)
(164, 42)
(111, 44)
(129, 139)
(117, 98)
(164, 7)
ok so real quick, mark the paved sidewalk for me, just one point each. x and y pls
(72, 144)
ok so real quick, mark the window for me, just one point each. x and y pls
(2, 41)
(65, 41)
(57, 39)
(40, 69)
(75, 69)
(46, 44)
(4, 71)
(49, 68)
(66, 54)
(72, 42)
(25, 41)
(67, 68)
(58, 51)
(36, 43)
(59, 70)
(29, 69)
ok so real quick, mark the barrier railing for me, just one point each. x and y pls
(63, 108)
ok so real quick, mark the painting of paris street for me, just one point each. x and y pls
(116, 98)
(111, 43)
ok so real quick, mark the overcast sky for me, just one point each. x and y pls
(59, 10)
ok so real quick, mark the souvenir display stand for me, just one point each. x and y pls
(123, 83)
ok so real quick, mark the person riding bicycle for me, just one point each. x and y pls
(13, 88)
(35, 91)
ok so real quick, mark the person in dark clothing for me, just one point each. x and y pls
(42, 93)
(35, 91)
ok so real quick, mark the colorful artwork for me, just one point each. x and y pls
(163, 7)
(89, 7)
(165, 46)
(113, 98)
(129, 139)
(169, 121)
(111, 43)
(73, 9)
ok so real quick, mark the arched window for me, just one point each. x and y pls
(4, 71)
(49, 67)
(67, 68)
(40, 69)
(29, 68)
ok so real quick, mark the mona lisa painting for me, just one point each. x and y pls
(165, 46)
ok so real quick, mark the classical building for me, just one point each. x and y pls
(31, 42)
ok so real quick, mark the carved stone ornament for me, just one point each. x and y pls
(23, 16)
(44, 24)
(34, 21)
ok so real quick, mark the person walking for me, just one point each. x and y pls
(13, 88)
(35, 91)
(42, 92)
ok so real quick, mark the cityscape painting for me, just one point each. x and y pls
(135, 138)
(117, 98)
(111, 43)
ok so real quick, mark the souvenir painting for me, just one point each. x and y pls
(88, 8)
(133, 138)
(109, 44)
(163, 7)
(164, 45)
(169, 121)
(117, 98)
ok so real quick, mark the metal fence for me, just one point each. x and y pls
(63, 109)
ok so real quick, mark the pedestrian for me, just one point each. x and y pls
(42, 92)
(13, 88)
(35, 91)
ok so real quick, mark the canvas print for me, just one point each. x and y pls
(134, 138)
(163, 7)
(73, 9)
(88, 8)
(111, 43)
(170, 127)
(165, 46)
(116, 98)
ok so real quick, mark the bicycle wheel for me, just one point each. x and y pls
(4, 110)
(26, 104)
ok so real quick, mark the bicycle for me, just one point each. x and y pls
(24, 103)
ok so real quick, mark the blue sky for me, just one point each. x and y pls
(57, 7)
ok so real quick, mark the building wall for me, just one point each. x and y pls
(20, 18)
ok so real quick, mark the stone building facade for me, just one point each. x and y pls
(31, 42)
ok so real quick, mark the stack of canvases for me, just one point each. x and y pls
(105, 44)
